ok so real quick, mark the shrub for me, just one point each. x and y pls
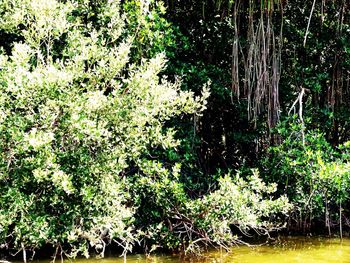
(75, 117)
(313, 173)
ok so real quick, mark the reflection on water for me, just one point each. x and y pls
(283, 250)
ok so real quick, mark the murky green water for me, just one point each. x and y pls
(308, 250)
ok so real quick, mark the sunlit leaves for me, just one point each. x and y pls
(76, 113)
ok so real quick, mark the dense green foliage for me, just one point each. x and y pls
(314, 175)
(87, 136)
(148, 123)
(72, 124)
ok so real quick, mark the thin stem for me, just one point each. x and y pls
(308, 24)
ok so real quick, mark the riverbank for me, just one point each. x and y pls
(282, 249)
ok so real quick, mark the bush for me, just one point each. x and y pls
(177, 222)
(245, 204)
(75, 118)
(313, 173)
